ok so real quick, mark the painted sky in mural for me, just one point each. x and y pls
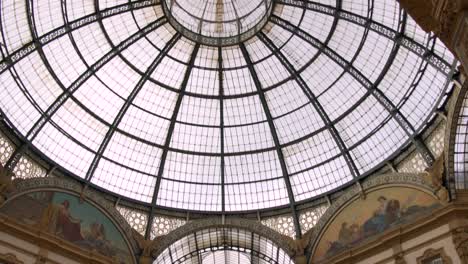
(363, 219)
(66, 216)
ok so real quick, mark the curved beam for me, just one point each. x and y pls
(274, 134)
(456, 150)
(67, 93)
(11, 59)
(435, 60)
(127, 104)
(170, 131)
(315, 102)
(364, 81)
(221, 125)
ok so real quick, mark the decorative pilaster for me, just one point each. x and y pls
(400, 259)
(6, 183)
(434, 177)
(460, 239)
(298, 247)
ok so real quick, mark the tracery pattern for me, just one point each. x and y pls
(27, 168)
(322, 95)
(435, 141)
(6, 149)
(309, 218)
(138, 220)
(282, 224)
(414, 163)
(162, 225)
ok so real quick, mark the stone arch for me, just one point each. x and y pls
(283, 242)
(455, 110)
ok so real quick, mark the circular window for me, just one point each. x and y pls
(218, 22)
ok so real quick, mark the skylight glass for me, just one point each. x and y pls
(314, 97)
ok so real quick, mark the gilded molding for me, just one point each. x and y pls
(434, 177)
(6, 183)
(446, 18)
(460, 239)
(430, 253)
(400, 259)
(10, 258)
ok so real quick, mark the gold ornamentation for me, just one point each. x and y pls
(10, 258)
(460, 239)
(400, 259)
(434, 177)
(146, 247)
(6, 183)
(431, 253)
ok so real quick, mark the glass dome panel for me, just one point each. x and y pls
(316, 97)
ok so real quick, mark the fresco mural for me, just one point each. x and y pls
(66, 216)
(365, 219)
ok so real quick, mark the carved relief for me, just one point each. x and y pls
(10, 258)
(446, 14)
(6, 183)
(432, 253)
(439, 16)
(434, 177)
(460, 239)
(421, 13)
(146, 247)
(298, 247)
(400, 259)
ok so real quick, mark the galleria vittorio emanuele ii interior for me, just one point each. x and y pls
(234, 131)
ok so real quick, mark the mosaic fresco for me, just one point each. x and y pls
(65, 216)
(364, 219)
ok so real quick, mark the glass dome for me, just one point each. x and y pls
(325, 93)
(217, 22)
(223, 245)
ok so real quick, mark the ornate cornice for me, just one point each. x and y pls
(10, 258)
(430, 253)
(460, 239)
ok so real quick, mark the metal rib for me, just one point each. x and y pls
(274, 134)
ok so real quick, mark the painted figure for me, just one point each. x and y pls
(387, 213)
(56, 218)
(68, 226)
